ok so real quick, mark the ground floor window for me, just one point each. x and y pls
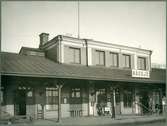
(156, 97)
(51, 98)
(117, 96)
(76, 93)
(127, 98)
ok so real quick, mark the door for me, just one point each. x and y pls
(118, 104)
(144, 101)
(101, 101)
(20, 102)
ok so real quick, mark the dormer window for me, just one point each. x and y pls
(100, 57)
(114, 59)
(75, 55)
(141, 63)
(126, 61)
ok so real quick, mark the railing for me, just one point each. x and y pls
(160, 66)
(76, 113)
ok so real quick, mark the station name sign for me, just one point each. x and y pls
(140, 73)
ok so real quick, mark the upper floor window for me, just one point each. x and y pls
(114, 59)
(51, 98)
(126, 61)
(76, 93)
(75, 55)
(100, 57)
(141, 62)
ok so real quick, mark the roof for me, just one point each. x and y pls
(35, 66)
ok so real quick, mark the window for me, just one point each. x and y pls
(126, 61)
(100, 60)
(51, 98)
(29, 94)
(75, 55)
(141, 63)
(102, 91)
(127, 98)
(114, 59)
(76, 93)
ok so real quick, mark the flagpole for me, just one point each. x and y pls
(78, 18)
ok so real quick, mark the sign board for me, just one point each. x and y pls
(107, 109)
(140, 73)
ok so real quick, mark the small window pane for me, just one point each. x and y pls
(29, 94)
(72, 95)
(55, 93)
(77, 94)
(141, 63)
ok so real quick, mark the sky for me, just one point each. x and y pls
(138, 24)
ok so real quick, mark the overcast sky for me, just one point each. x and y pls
(136, 24)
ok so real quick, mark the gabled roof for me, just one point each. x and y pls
(35, 66)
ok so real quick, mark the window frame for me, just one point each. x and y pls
(73, 58)
(75, 90)
(51, 94)
(139, 64)
(112, 60)
(97, 56)
(128, 94)
(125, 61)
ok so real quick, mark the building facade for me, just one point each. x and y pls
(71, 77)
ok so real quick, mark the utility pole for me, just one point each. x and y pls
(59, 87)
(113, 103)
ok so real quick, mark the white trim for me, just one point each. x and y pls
(135, 61)
(142, 55)
(80, 41)
(62, 53)
(110, 45)
(104, 48)
(69, 43)
(59, 49)
(89, 56)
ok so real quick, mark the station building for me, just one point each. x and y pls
(71, 77)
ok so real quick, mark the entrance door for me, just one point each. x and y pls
(101, 101)
(20, 102)
(118, 104)
(144, 101)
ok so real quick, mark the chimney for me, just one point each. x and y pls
(44, 37)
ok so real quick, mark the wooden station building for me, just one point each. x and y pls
(71, 77)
